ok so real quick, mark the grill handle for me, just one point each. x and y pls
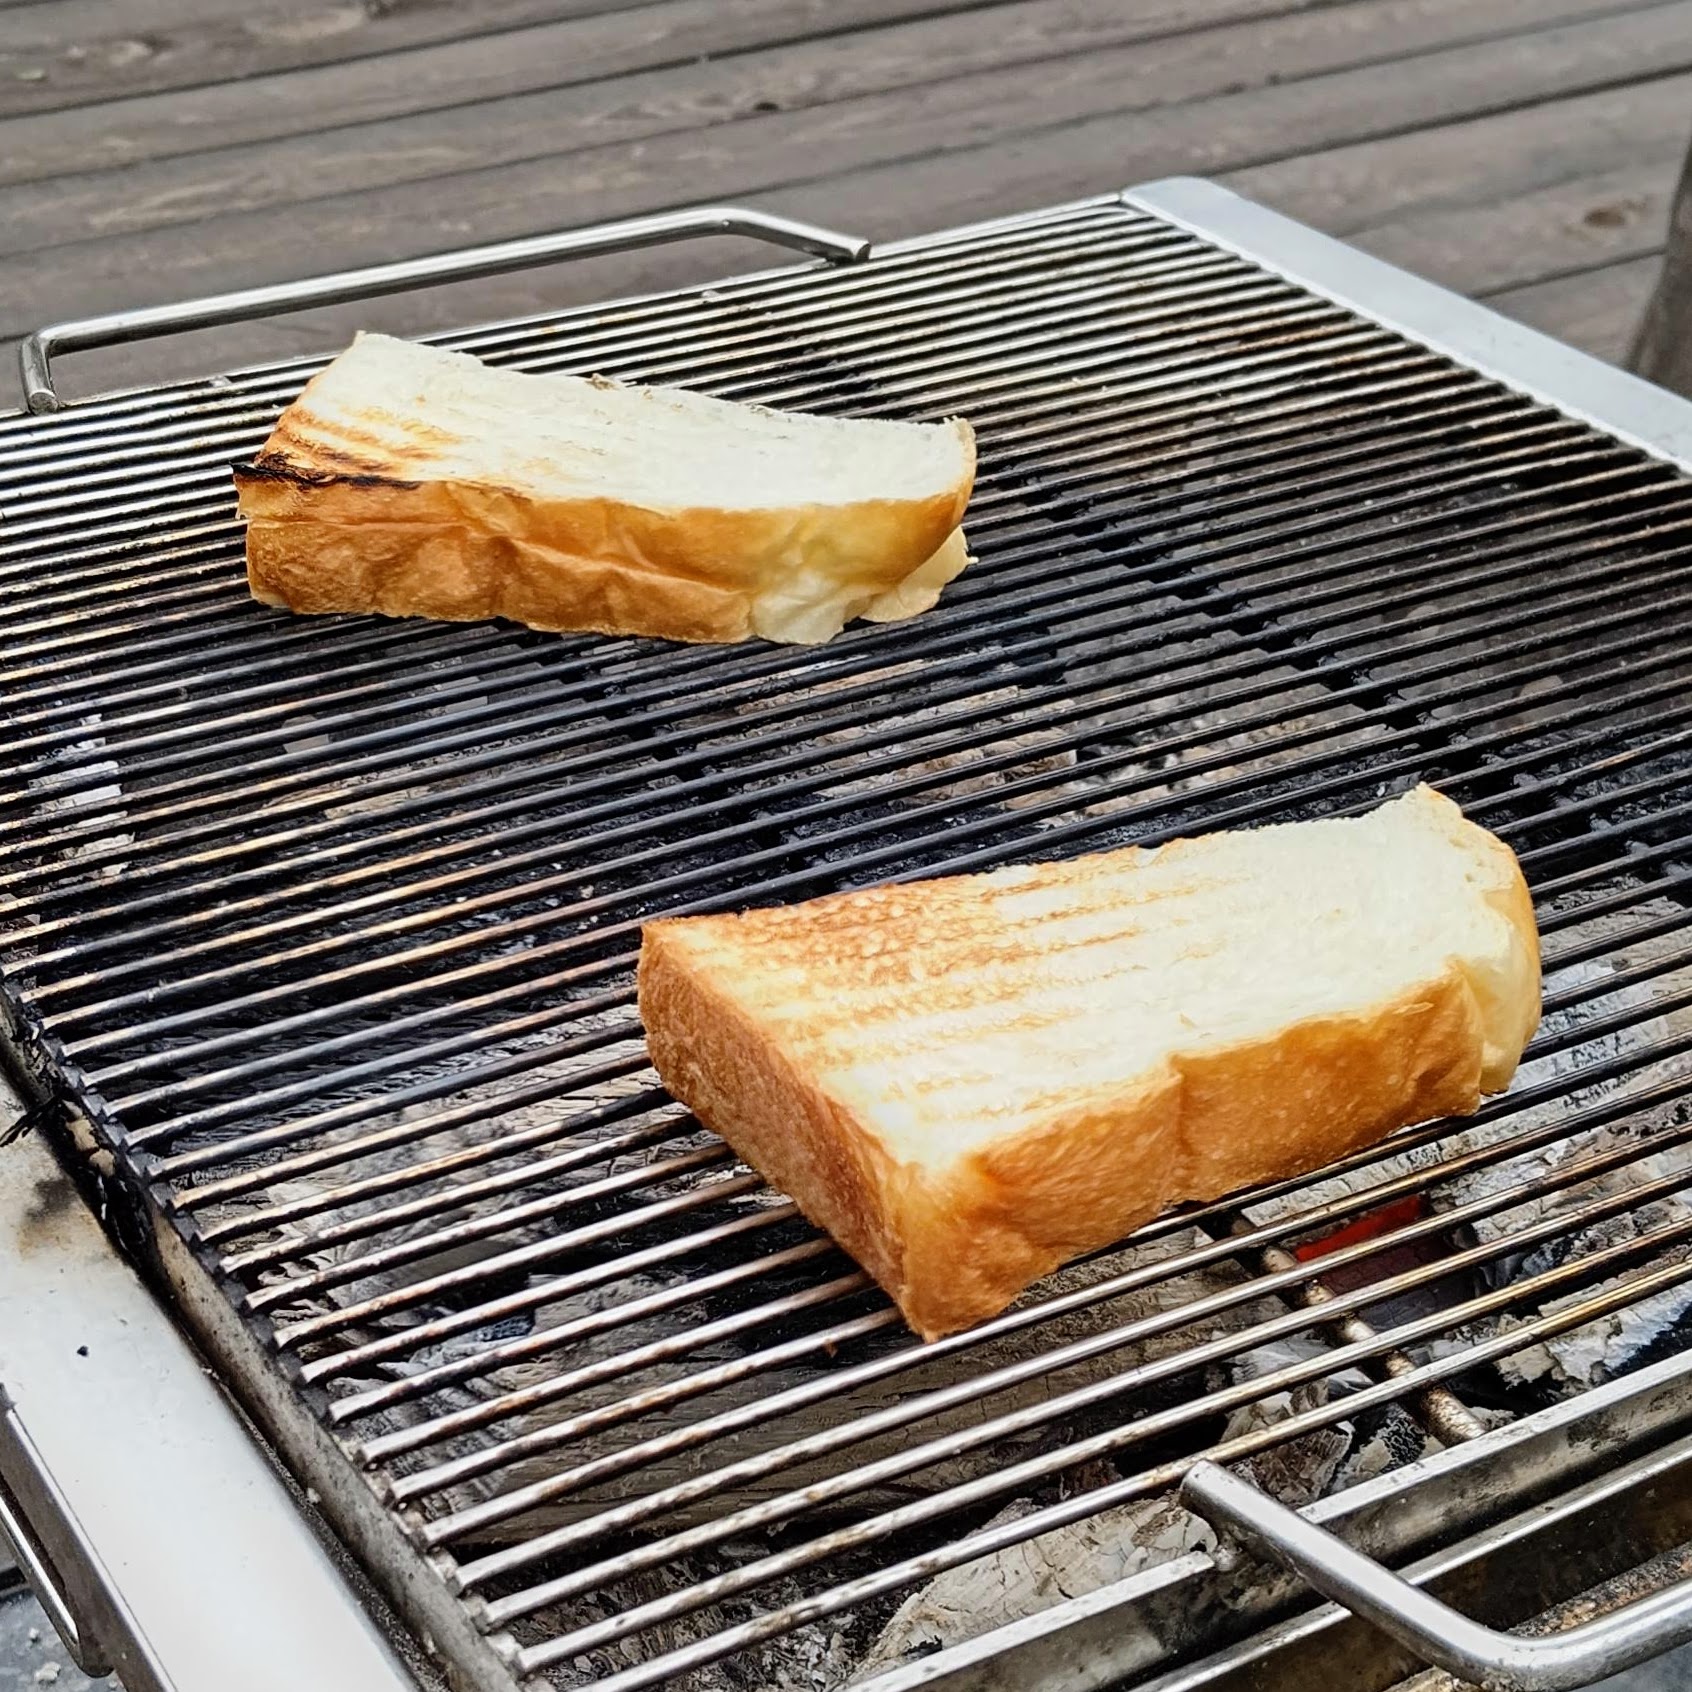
(38, 1567)
(1499, 1662)
(465, 264)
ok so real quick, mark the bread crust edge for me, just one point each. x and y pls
(956, 1247)
(324, 540)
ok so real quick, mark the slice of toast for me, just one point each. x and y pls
(416, 482)
(969, 1081)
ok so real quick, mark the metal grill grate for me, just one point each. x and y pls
(328, 927)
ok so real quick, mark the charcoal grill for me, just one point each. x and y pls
(316, 970)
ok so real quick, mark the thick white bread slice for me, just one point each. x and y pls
(413, 481)
(968, 1081)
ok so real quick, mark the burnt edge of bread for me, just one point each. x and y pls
(277, 470)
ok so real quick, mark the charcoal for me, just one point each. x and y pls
(823, 1415)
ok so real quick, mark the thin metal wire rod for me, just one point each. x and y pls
(1187, 279)
(66, 787)
(56, 791)
(1571, 427)
(90, 639)
(650, 1133)
(1620, 980)
(1439, 1410)
(784, 1354)
(97, 633)
(686, 305)
(1351, 591)
(537, 1022)
(349, 1113)
(1573, 880)
(553, 1436)
(1621, 898)
(293, 1334)
(38, 900)
(167, 496)
(245, 1181)
(510, 1451)
(575, 1011)
(291, 696)
(1103, 292)
(842, 1484)
(520, 926)
(504, 674)
(547, 325)
(414, 1135)
(548, 1207)
(953, 345)
(1349, 399)
(1604, 1069)
(630, 334)
(964, 375)
(1635, 490)
(937, 257)
(649, 1136)
(659, 317)
(539, 1293)
(1317, 1221)
(27, 538)
(891, 1577)
(500, 1612)
(1097, 462)
(60, 676)
(501, 1354)
(955, 338)
(1268, 399)
(676, 1345)
(190, 594)
(1377, 770)
(1146, 260)
(140, 580)
(509, 861)
(464, 1197)
(973, 388)
(469, 906)
(1242, 814)
(266, 872)
(285, 655)
(169, 500)
(1569, 807)
(561, 1336)
(412, 1132)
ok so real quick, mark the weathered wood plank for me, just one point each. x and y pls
(977, 76)
(59, 53)
(554, 55)
(1479, 161)
(1595, 310)
(70, 52)
(1573, 226)
(786, 159)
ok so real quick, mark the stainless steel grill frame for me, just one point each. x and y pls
(1244, 553)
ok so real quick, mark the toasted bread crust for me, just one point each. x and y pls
(805, 1143)
(343, 519)
(954, 1246)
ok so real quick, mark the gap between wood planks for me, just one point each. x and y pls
(46, 66)
(970, 89)
(1596, 310)
(704, 35)
(1367, 147)
(965, 119)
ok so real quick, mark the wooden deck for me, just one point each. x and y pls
(1519, 150)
